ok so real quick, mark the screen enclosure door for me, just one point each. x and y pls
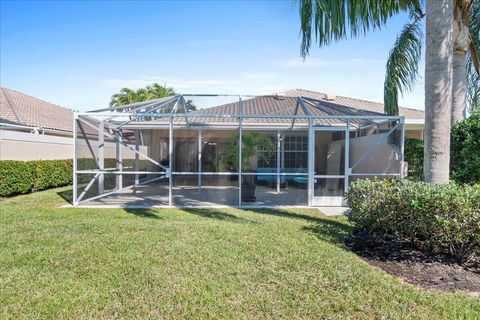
(328, 166)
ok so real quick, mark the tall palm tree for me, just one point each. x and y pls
(466, 45)
(330, 20)
(438, 90)
(402, 65)
(154, 91)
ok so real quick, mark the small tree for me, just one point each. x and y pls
(251, 142)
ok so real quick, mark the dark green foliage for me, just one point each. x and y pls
(251, 142)
(441, 218)
(414, 157)
(52, 174)
(465, 150)
(18, 177)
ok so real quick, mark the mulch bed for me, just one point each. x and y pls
(425, 269)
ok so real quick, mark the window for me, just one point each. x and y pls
(295, 153)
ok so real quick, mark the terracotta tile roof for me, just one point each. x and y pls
(286, 104)
(354, 103)
(22, 109)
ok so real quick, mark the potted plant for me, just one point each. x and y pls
(251, 143)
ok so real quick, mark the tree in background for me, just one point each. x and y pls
(154, 91)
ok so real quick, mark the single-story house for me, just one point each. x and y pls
(34, 129)
(295, 148)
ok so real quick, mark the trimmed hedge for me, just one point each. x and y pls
(440, 218)
(19, 177)
(465, 150)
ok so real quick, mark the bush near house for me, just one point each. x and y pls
(414, 156)
(465, 150)
(464, 155)
(440, 218)
(19, 177)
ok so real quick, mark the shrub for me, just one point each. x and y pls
(465, 150)
(52, 174)
(441, 218)
(19, 177)
(16, 177)
(414, 157)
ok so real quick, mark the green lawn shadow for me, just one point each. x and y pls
(325, 228)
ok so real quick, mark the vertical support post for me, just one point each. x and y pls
(137, 157)
(347, 157)
(278, 161)
(402, 143)
(75, 116)
(170, 160)
(240, 131)
(282, 154)
(311, 161)
(101, 156)
(199, 165)
(119, 160)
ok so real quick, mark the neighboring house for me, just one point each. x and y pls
(319, 143)
(33, 129)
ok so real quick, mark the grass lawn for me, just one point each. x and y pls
(178, 263)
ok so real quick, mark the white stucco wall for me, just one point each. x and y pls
(16, 145)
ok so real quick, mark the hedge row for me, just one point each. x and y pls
(19, 177)
(441, 218)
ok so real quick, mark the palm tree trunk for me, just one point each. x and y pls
(461, 44)
(438, 90)
(459, 83)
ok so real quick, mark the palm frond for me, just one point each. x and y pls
(337, 20)
(473, 59)
(402, 65)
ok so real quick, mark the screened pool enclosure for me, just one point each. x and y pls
(226, 150)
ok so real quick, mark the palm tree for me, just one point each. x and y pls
(125, 96)
(154, 91)
(402, 65)
(466, 46)
(438, 90)
(331, 19)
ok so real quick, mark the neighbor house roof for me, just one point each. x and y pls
(408, 113)
(21, 109)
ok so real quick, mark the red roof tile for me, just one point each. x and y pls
(22, 109)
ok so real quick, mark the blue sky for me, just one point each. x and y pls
(77, 54)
